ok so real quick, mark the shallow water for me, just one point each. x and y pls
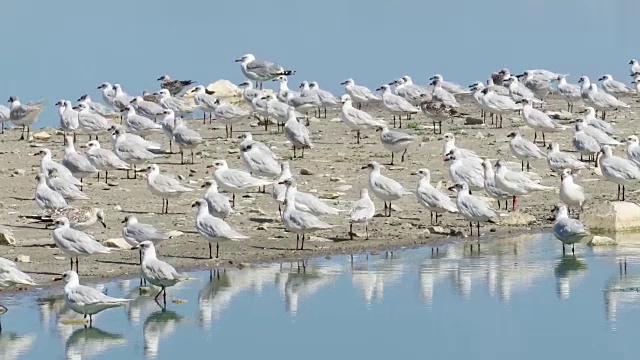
(517, 297)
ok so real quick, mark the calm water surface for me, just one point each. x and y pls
(518, 297)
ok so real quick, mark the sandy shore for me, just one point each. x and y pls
(335, 167)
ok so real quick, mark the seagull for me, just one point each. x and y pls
(384, 188)
(538, 120)
(103, 159)
(515, 183)
(362, 211)
(541, 86)
(472, 208)
(5, 115)
(305, 100)
(396, 105)
(468, 170)
(395, 141)
(158, 272)
(79, 165)
(519, 91)
(247, 138)
(279, 190)
(90, 122)
(260, 70)
(179, 105)
(75, 243)
(138, 124)
(601, 100)
(219, 205)
(567, 230)
(46, 198)
(524, 149)
(633, 150)
(498, 104)
(68, 117)
(147, 109)
(135, 232)
(187, 139)
(415, 94)
(600, 136)
(356, 119)
(618, 170)
(431, 198)
(615, 87)
(590, 119)
(86, 300)
(571, 194)
(213, 229)
(359, 93)
(47, 163)
(450, 144)
(24, 115)
(164, 186)
(308, 202)
(257, 162)
(234, 180)
(490, 186)
(296, 133)
(297, 221)
(584, 143)
(121, 99)
(450, 87)
(168, 122)
(229, 114)
(206, 101)
(10, 275)
(80, 218)
(108, 93)
(132, 149)
(558, 160)
(173, 85)
(442, 95)
(249, 92)
(570, 92)
(63, 187)
(96, 107)
(635, 66)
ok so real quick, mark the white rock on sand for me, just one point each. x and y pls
(613, 216)
(117, 243)
(601, 241)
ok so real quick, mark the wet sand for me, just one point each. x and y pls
(335, 171)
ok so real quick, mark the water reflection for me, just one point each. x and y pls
(510, 273)
(85, 343)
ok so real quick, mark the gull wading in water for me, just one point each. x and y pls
(473, 209)
(431, 198)
(568, 231)
(164, 186)
(158, 272)
(260, 70)
(618, 170)
(384, 188)
(75, 243)
(213, 229)
(86, 300)
(362, 211)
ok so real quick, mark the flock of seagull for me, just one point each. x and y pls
(60, 182)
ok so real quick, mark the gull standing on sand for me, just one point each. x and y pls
(5, 115)
(590, 119)
(187, 139)
(524, 149)
(174, 86)
(47, 163)
(258, 162)
(615, 87)
(164, 186)
(600, 136)
(618, 170)
(247, 138)
(570, 92)
(168, 122)
(206, 101)
(296, 133)
(384, 188)
(91, 123)
(131, 150)
(558, 161)
(24, 115)
(158, 272)
(213, 229)
(431, 198)
(219, 205)
(47, 198)
(396, 105)
(147, 109)
(584, 143)
(515, 183)
(442, 95)
(395, 141)
(465, 169)
(119, 130)
(327, 99)
(80, 218)
(568, 231)
(540, 85)
(361, 212)
(279, 189)
(68, 117)
(234, 180)
(355, 119)
(635, 66)
(179, 105)
(602, 101)
(571, 194)
(260, 70)
(309, 203)
(86, 300)
(121, 100)
(229, 114)
(138, 124)
(414, 94)
(359, 93)
(518, 91)
(63, 187)
(473, 209)
(78, 164)
(450, 144)
(453, 88)
(304, 101)
(490, 186)
(108, 93)
(633, 150)
(75, 243)
(249, 92)
(297, 221)
(538, 121)
(103, 159)
(498, 104)
(96, 107)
